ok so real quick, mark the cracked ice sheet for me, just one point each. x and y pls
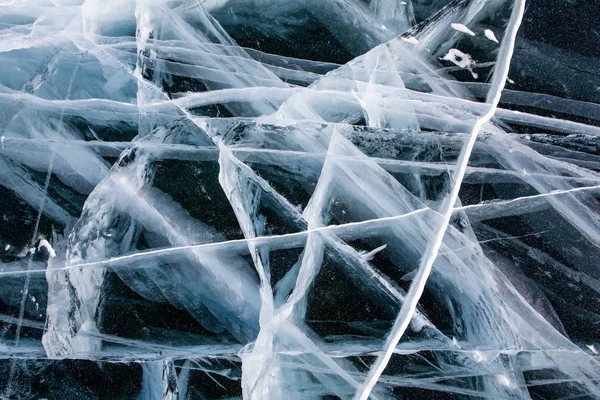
(249, 212)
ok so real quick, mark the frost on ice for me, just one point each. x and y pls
(461, 59)
(296, 200)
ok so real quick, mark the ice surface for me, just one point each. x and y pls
(267, 199)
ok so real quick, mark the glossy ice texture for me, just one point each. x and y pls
(317, 199)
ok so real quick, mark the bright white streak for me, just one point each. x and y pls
(418, 286)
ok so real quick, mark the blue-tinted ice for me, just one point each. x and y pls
(272, 199)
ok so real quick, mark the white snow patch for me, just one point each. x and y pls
(461, 59)
(490, 35)
(462, 28)
(416, 324)
(44, 243)
(592, 348)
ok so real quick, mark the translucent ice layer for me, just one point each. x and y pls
(271, 199)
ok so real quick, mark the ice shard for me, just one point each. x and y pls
(267, 199)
